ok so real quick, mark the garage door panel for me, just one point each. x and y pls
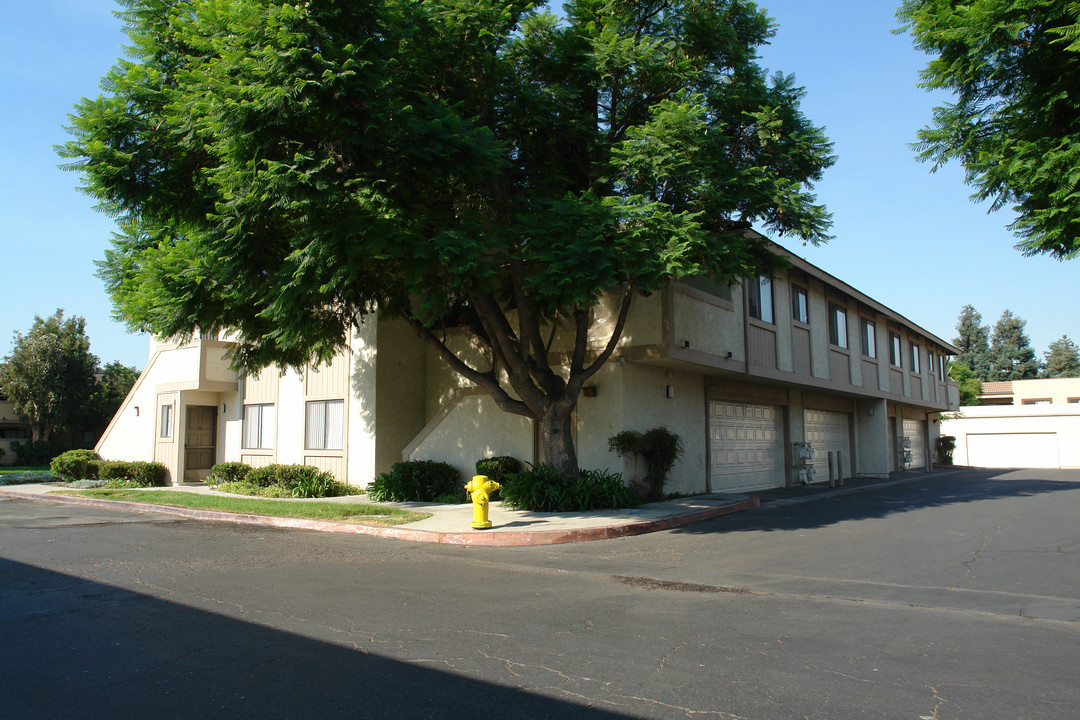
(750, 454)
(915, 431)
(828, 431)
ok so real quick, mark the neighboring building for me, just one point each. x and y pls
(741, 374)
(11, 429)
(1022, 423)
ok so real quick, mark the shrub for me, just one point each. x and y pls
(26, 476)
(298, 481)
(418, 480)
(3, 452)
(34, 452)
(545, 488)
(943, 448)
(88, 484)
(227, 472)
(144, 474)
(121, 485)
(76, 465)
(498, 468)
(659, 448)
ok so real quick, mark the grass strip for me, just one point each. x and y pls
(361, 514)
(10, 469)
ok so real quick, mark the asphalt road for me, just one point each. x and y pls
(956, 596)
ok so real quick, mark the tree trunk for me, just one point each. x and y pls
(556, 441)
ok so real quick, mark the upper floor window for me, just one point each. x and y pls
(258, 428)
(894, 350)
(1035, 401)
(760, 293)
(942, 361)
(915, 358)
(838, 325)
(869, 338)
(709, 286)
(800, 305)
(325, 425)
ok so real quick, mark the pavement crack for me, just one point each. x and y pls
(690, 712)
(938, 702)
(654, 584)
(669, 653)
(511, 666)
(969, 565)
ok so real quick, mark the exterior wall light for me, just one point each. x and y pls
(670, 391)
(589, 391)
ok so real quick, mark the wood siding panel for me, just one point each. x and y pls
(839, 367)
(328, 381)
(263, 387)
(334, 465)
(762, 347)
(916, 387)
(870, 375)
(896, 378)
(257, 460)
(800, 351)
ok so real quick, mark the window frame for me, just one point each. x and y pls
(755, 298)
(916, 364)
(896, 350)
(166, 421)
(800, 311)
(838, 334)
(870, 336)
(262, 442)
(324, 442)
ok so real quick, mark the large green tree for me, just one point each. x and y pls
(282, 170)
(973, 339)
(49, 374)
(1014, 66)
(1062, 359)
(1011, 356)
(970, 386)
(112, 384)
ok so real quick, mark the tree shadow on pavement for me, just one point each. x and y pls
(880, 499)
(77, 648)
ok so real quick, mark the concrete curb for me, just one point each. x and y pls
(489, 538)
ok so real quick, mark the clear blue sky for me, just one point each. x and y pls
(907, 238)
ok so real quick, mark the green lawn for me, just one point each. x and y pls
(347, 512)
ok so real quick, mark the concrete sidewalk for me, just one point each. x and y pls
(449, 524)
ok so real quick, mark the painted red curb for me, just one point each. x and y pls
(490, 538)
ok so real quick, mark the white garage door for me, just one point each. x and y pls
(915, 431)
(1013, 450)
(828, 432)
(746, 446)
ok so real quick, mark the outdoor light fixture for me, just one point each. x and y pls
(589, 391)
(136, 411)
(670, 390)
(869, 411)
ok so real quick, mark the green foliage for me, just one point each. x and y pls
(125, 484)
(973, 339)
(418, 481)
(969, 385)
(34, 452)
(659, 448)
(1011, 356)
(3, 452)
(108, 393)
(227, 472)
(498, 468)
(1015, 123)
(49, 374)
(76, 465)
(1062, 359)
(246, 488)
(299, 481)
(944, 445)
(22, 477)
(280, 170)
(143, 474)
(546, 488)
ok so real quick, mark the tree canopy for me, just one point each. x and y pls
(969, 385)
(1015, 125)
(49, 374)
(1062, 359)
(282, 170)
(1011, 356)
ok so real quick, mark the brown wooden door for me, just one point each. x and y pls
(199, 450)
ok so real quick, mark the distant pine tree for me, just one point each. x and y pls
(1011, 356)
(973, 341)
(1062, 359)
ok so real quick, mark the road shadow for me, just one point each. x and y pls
(879, 499)
(77, 648)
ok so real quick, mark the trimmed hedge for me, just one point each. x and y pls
(144, 474)
(418, 481)
(228, 472)
(300, 481)
(498, 468)
(76, 465)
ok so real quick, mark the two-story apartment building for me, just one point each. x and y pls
(743, 374)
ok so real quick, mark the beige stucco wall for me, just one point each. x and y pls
(872, 433)
(708, 327)
(1010, 421)
(1058, 390)
(400, 395)
(476, 428)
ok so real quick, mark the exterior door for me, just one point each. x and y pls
(746, 446)
(199, 449)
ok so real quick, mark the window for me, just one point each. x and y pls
(325, 425)
(166, 421)
(1035, 401)
(914, 358)
(258, 427)
(837, 325)
(800, 306)
(709, 286)
(1074, 400)
(869, 339)
(942, 362)
(894, 349)
(760, 292)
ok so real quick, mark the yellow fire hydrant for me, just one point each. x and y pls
(480, 488)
